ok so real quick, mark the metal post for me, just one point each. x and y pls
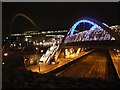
(39, 68)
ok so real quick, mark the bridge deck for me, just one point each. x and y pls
(94, 44)
(47, 68)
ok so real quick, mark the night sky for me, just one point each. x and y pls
(54, 16)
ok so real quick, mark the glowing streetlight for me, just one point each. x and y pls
(40, 43)
(41, 50)
(43, 40)
(14, 45)
(3, 63)
(5, 54)
(36, 48)
(20, 44)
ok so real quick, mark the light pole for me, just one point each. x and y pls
(39, 67)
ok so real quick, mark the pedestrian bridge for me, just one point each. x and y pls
(88, 32)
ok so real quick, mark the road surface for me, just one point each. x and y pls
(92, 66)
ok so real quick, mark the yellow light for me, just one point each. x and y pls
(118, 51)
(5, 54)
(3, 63)
(37, 43)
(11, 44)
(26, 39)
(28, 36)
(34, 43)
(78, 51)
(43, 40)
(41, 50)
(20, 44)
(14, 45)
(36, 48)
(66, 52)
(40, 43)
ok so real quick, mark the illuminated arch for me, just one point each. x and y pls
(95, 23)
(91, 21)
(25, 16)
(83, 21)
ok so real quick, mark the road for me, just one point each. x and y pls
(116, 61)
(92, 66)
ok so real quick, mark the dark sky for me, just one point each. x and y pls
(55, 16)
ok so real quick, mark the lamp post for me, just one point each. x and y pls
(39, 67)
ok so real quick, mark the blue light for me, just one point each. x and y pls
(82, 21)
(105, 24)
(94, 27)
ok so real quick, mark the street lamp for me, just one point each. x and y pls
(39, 67)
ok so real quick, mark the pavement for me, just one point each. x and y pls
(43, 69)
(116, 61)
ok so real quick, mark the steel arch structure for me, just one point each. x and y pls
(24, 16)
(95, 23)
